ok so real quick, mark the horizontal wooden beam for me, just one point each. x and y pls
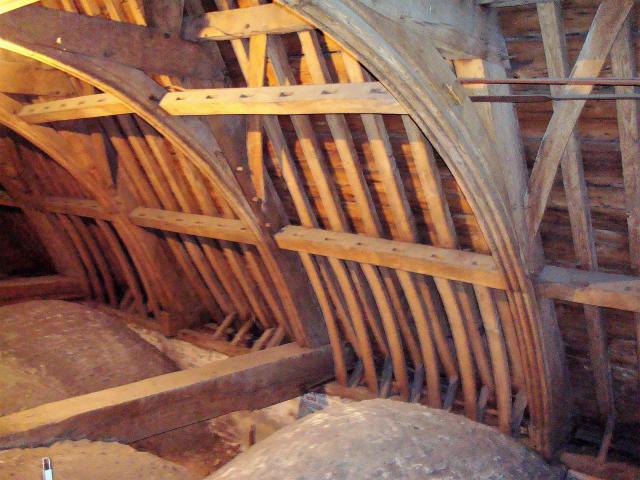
(192, 224)
(8, 5)
(43, 287)
(591, 288)
(243, 23)
(26, 79)
(459, 265)
(75, 206)
(147, 49)
(370, 97)
(159, 404)
(68, 206)
(87, 106)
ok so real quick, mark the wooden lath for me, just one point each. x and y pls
(370, 97)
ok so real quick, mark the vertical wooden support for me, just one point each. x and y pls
(553, 36)
(623, 64)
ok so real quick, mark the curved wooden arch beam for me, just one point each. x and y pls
(64, 257)
(193, 139)
(159, 278)
(424, 83)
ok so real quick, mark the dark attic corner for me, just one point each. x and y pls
(320, 239)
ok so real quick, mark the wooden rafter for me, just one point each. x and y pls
(623, 63)
(609, 18)
(421, 80)
(575, 187)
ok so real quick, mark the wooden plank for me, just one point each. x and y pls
(609, 18)
(132, 45)
(575, 186)
(369, 97)
(623, 62)
(8, 5)
(50, 286)
(159, 404)
(592, 288)
(87, 106)
(459, 265)
(242, 23)
(193, 224)
(23, 78)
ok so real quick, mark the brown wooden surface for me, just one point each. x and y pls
(159, 404)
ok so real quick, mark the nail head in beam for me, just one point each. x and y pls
(87, 106)
(370, 97)
(192, 224)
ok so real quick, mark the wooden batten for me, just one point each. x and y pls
(76, 108)
(438, 262)
(199, 225)
(370, 97)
